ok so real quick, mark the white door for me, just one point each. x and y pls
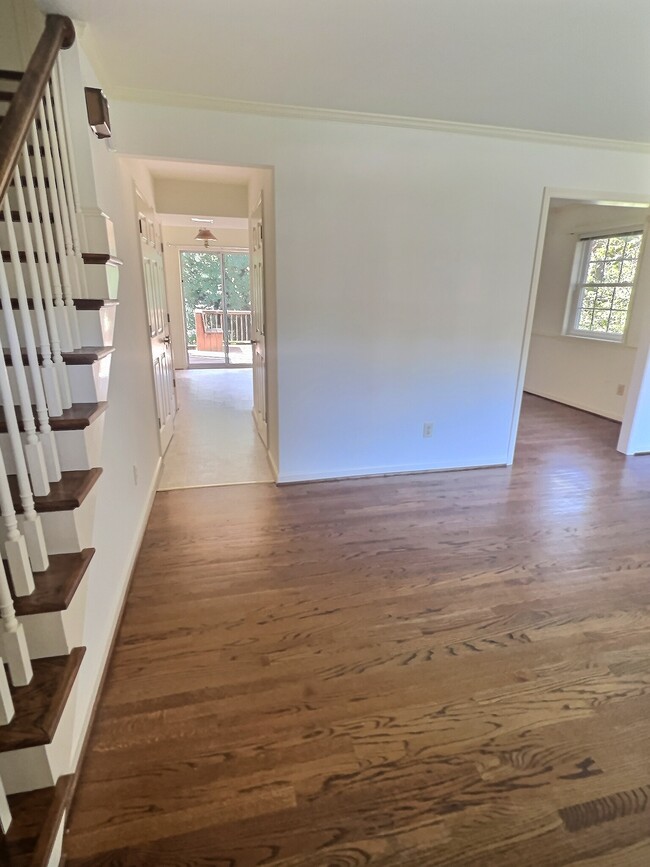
(158, 320)
(258, 322)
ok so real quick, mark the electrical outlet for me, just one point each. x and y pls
(135, 475)
(427, 429)
(620, 390)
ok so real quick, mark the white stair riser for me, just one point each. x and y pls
(102, 281)
(56, 633)
(41, 767)
(95, 327)
(69, 530)
(72, 530)
(77, 449)
(88, 382)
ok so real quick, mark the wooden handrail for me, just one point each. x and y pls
(59, 33)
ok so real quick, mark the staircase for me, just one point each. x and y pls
(56, 328)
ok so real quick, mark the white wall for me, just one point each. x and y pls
(404, 261)
(578, 371)
(174, 239)
(21, 25)
(200, 198)
(130, 432)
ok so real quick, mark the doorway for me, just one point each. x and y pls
(216, 288)
(589, 301)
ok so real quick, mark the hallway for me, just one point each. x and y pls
(442, 669)
(215, 441)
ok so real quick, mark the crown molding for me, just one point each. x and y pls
(268, 109)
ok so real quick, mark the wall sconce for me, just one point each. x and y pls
(206, 236)
(97, 111)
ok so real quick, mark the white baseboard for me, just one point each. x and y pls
(135, 550)
(583, 406)
(369, 472)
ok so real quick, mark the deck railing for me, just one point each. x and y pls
(239, 324)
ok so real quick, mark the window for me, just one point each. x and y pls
(603, 292)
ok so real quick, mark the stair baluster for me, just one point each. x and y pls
(66, 251)
(6, 702)
(13, 642)
(60, 310)
(32, 528)
(48, 374)
(45, 437)
(15, 546)
(46, 321)
(5, 812)
(59, 240)
(69, 179)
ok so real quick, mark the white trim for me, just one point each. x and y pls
(371, 472)
(80, 733)
(528, 323)
(549, 193)
(274, 466)
(189, 100)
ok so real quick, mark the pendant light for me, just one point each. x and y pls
(206, 236)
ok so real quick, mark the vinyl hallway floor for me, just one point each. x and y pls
(215, 441)
(432, 670)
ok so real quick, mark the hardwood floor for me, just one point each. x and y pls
(444, 669)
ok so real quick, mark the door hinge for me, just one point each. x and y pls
(168, 319)
(261, 231)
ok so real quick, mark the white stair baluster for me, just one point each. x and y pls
(49, 316)
(61, 193)
(46, 436)
(60, 310)
(55, 202)
(5, 812)
(69, 179)
(32, 528)
(32, 446)
(6, 703)
(12, 639)
(48, 373)
(15, 547)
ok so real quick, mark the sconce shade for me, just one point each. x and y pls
(97, 110)
(205, 235)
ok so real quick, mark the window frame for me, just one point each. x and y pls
(579, 286)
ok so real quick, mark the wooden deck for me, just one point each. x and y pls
(444, 669)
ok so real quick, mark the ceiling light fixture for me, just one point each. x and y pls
(206, 236)
(201, 220)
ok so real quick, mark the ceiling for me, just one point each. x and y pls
(186, 222)
(181, 170)
(569, 66)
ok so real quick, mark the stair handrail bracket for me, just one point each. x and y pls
(59, 33)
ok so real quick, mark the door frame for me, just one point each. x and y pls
(138, 213)
(587, 196)
(201, 248)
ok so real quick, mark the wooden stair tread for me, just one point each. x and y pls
(56, 587)
(79, 303)
(15, 215)
(85, 355)
(11, 74)
(68, 494)
(77, 417)
(7, 95)
(40, 705)
(36, 819)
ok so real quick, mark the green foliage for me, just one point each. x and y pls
(203, 284)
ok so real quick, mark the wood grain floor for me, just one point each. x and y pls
(445, 669)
